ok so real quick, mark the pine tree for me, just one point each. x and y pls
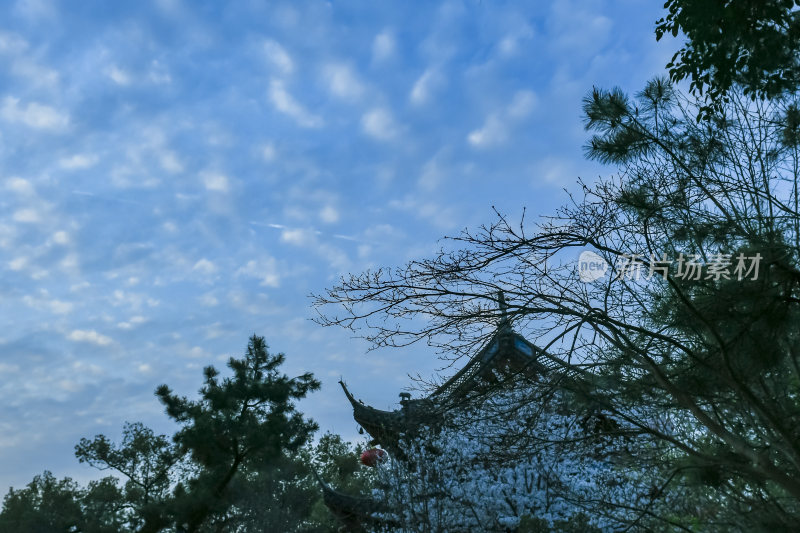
(690, 338)
(242, 429)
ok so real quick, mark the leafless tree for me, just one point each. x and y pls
(691, 338)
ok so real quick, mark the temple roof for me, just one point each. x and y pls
(505, 348)
(385, 427)
(505, 353)
(376, 422)
(354, 512)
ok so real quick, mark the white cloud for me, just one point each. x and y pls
(285, 103)
(170, 162)
(44, 302)
(34, 73)
(80, 286)
(69, 385)
(555, 171)
(7, 234)
(510, 44)
(208, 300)
(158, 73)
(492, 133)
(216, 330)
(523, 103)
(215, 182)
(69, 262)
(6, 368)
(132, 322)
(18, 263)
(329, 214)
(119, 76)
(576, 30)
(30, 216)
(38, 273)
(298, 236)
(424, 86)
(378, 123)
(308, 238)
(35, 9)
(20, 186)
(33, 115)
(433, 173)
(77, 161)
(170, 7)
(60, 307)
(90, 336)
(88, 368)
(268, 152)
(11, 43)
(265, 269)
(383, 46)
(441, 216)
(60, 237)
(278, 56)
(495, 129)
(204, 266)
(196, 352)
(134, 301)
(342, 82)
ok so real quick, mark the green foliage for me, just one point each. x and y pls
(45, 505)
(726, 349)
(241, 461)
(145, 459)
(752, 43)
(240, 423)
(295, 498)
(704, 371)
(281, 495)
(610, 112)
(105, 508)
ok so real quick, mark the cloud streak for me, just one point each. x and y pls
(286, 104)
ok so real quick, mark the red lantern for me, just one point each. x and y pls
(373, 456)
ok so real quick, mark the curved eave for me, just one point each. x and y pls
(353, 511)
(370, 413)
(383, 426)
(346, 504)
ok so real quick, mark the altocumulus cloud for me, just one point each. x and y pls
(90, 336)
(33, 115)
(216, 182)
(378, 123)
(342, 82)
(278, 56)
(136, 151)
(286, 104)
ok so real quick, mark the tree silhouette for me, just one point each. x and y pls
(709, 215)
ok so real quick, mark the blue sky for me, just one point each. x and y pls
(176, 176)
